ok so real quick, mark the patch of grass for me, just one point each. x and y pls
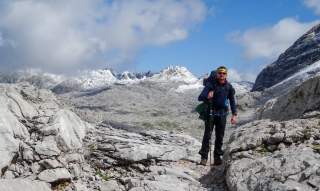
(262, 150)
(307, 133)
(316, 148)
(147, 125)
(168, 125)
(104, 176)
(92, 147)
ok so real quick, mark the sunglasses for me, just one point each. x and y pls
(222, 73)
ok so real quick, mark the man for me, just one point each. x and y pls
(220, 92)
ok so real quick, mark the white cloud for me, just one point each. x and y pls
(236, 76)
(313, 4)
(270, 42)
(60, 35)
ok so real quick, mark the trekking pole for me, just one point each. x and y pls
(211, 118)
(210, 152)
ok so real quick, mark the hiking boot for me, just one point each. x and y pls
(203, 162)
(217, 161)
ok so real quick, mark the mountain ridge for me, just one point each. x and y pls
(304, 52)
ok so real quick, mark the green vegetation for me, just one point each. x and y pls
(263, 150)
(168, 125)
(92, 147)
(316, 148)
(147, 125)
(104, 176)
(307, 133)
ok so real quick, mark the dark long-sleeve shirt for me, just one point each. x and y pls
(222, 93)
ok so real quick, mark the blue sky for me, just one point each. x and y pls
(209, 45)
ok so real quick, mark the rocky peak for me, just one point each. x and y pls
(126, 75)
(304, 52)
(175, 73)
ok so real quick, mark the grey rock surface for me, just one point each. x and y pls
(23, 184)
(269, 155)
(294, 104)
(128, 147)
(304, 52)
(149, 160)
(28, 152)
(55, 175)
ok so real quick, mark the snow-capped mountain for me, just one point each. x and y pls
(175, 73)
(96, 78)
(127, 76)
(103, 78)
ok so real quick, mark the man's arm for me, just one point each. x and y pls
(233, 105)
(232, 99)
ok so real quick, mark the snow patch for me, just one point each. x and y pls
(299, 77)
(186, 87)
(242, 87)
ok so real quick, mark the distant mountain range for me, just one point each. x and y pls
(97, 79)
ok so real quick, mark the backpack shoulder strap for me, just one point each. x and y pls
(229, 87)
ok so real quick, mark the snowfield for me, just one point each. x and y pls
(295, 80)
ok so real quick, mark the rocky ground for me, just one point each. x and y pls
(281, 156)
(45, 146)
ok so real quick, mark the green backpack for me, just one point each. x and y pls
(201, 109)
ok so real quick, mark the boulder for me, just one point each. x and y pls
(70, 129)
(296, 103)
(54, 175)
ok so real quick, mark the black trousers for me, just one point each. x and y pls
(219, 126)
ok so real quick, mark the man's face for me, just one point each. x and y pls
(222, 75)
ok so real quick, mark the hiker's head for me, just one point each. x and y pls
(222, 73)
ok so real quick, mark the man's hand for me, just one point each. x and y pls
(210, 95)
(233, 119)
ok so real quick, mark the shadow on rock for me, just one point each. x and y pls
(214, 180)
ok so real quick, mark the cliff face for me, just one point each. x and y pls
(304, 52)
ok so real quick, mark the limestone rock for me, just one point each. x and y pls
(71, 130)
(48, 147)
(296, 103)
(23, 184)
(54, 175)
(110, 185)
(256, 161)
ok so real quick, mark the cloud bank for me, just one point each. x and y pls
(76, 34)
(270, 42)
(313, 4)
(236, 76)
